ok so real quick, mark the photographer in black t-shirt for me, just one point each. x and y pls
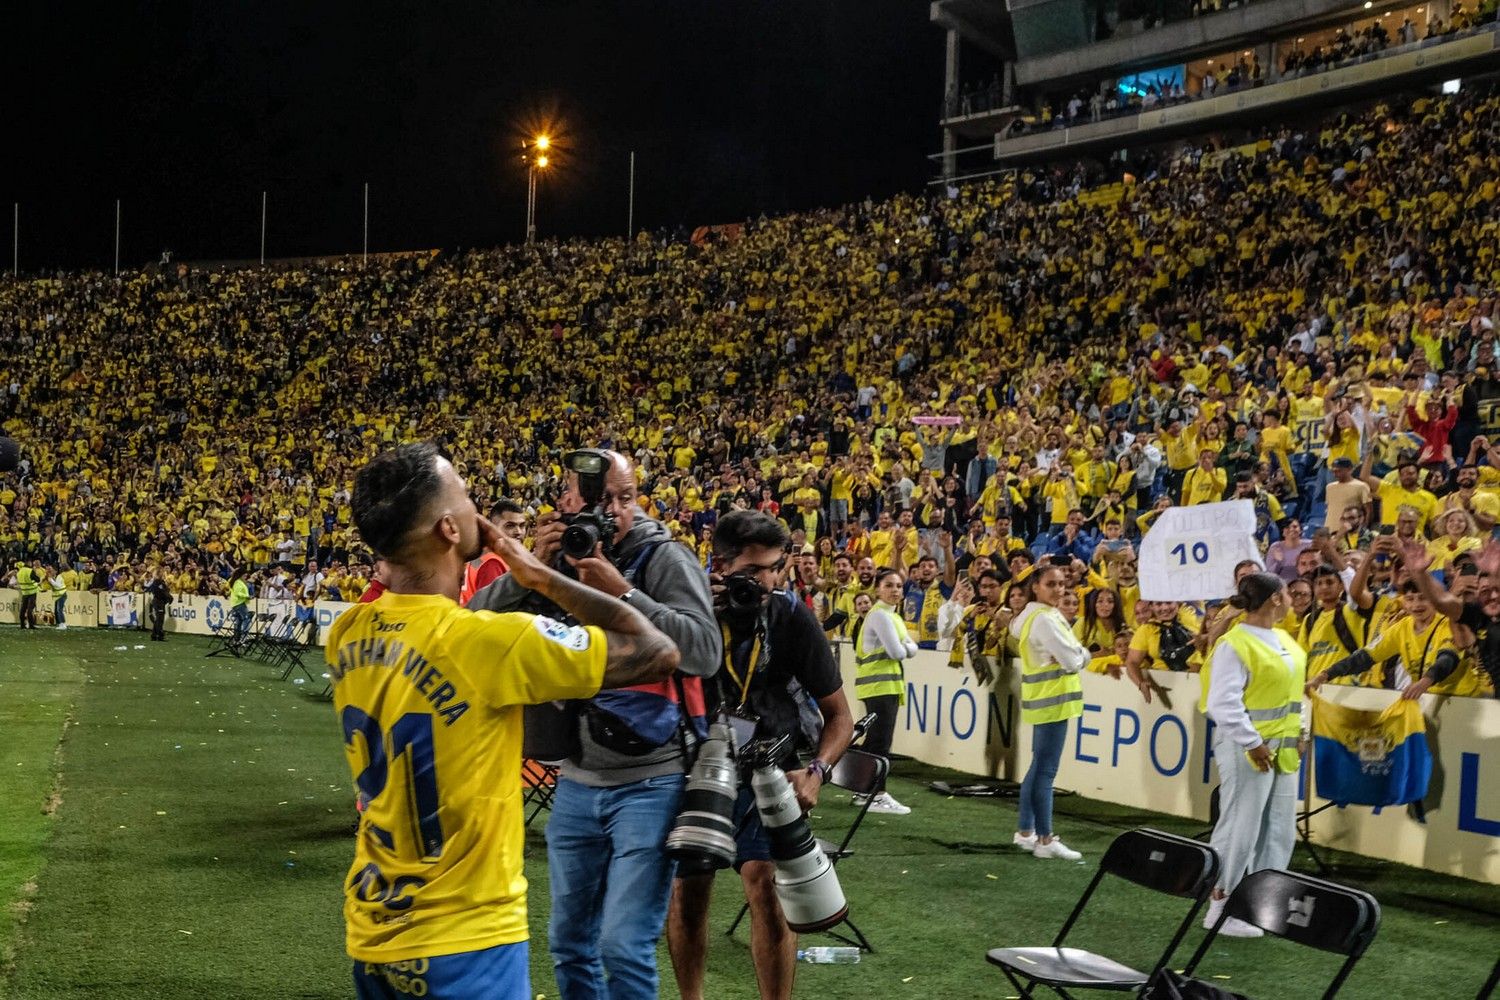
(767, 646)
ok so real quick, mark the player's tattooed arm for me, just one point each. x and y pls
(636, 651)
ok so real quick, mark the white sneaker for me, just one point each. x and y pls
(63, 625)
(1215, 908)
(1055, 849)
(883, 803)
(859, 799)
(1234, 926)
(1023, 842)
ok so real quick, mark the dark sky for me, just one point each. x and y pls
(187, 110)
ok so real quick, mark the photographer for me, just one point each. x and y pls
(771, 641)
(619, 791)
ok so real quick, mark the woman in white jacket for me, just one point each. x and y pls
(880, 680)
(1051, 694)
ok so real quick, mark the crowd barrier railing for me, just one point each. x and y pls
(188, 614)
(1159, 756)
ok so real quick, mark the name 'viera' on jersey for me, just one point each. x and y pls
(429, 695)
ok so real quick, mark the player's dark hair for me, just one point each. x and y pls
(740, 529)
(391, 492)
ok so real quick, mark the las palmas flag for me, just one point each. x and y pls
(1370, 758)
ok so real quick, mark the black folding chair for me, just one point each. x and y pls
(277, 641)
(862, 773)
(292, 647)
(257, 643)
(1161, 862)
(1488, 989)
(1307, 910)
(224, 641)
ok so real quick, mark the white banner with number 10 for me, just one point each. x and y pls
(1190, 552)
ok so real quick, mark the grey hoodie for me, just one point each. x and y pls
(674, 597)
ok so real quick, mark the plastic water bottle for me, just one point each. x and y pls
(829, 956)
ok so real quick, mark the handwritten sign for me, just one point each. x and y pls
(1190, 552)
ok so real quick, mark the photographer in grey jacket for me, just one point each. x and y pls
(620, 789)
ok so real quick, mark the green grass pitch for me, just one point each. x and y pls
(179, 827)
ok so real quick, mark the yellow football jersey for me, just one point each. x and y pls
(430, 696)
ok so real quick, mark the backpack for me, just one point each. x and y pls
(1169, 985)
(1176, 645)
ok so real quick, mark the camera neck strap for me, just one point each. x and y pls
(757, 652)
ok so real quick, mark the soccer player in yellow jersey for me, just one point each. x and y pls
(429, 696)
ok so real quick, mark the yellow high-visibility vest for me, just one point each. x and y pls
(876, 673)
(1273, 695)
(1048, 692)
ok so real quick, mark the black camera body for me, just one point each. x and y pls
(594, 525)
(742, 594)
(587, 530)
(766, 751)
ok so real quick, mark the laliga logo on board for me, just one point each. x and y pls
(183, 612)
(214, 613)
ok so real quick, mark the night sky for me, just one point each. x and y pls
(186, 111)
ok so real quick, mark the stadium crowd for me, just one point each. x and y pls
(955, 385)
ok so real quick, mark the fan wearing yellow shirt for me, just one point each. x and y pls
(882, 541)
(1062, 491)
(1423, 640)
(1399, 489)
(1205, 482)
(429, 696)
(1180, 445)
(1276, 445)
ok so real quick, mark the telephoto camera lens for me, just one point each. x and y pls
(703, 838)
(580, 539)
(809, 890)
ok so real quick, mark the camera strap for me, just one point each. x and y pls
(760, 651)
(756, 649)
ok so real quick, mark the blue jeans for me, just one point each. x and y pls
(240, 614)
(610, 885)
(1047, 741)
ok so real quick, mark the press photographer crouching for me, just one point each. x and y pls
(620, 788)
(770, 641)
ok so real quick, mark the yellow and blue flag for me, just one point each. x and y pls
(1370, 758)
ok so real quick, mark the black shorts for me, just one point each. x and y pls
(750, 841)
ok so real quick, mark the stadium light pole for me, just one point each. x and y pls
(262, 229)
(534, 162)
(117, 236)
(630, 218)
(364, 257)
(15, 241)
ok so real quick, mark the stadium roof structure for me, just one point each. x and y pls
(1055, 52)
